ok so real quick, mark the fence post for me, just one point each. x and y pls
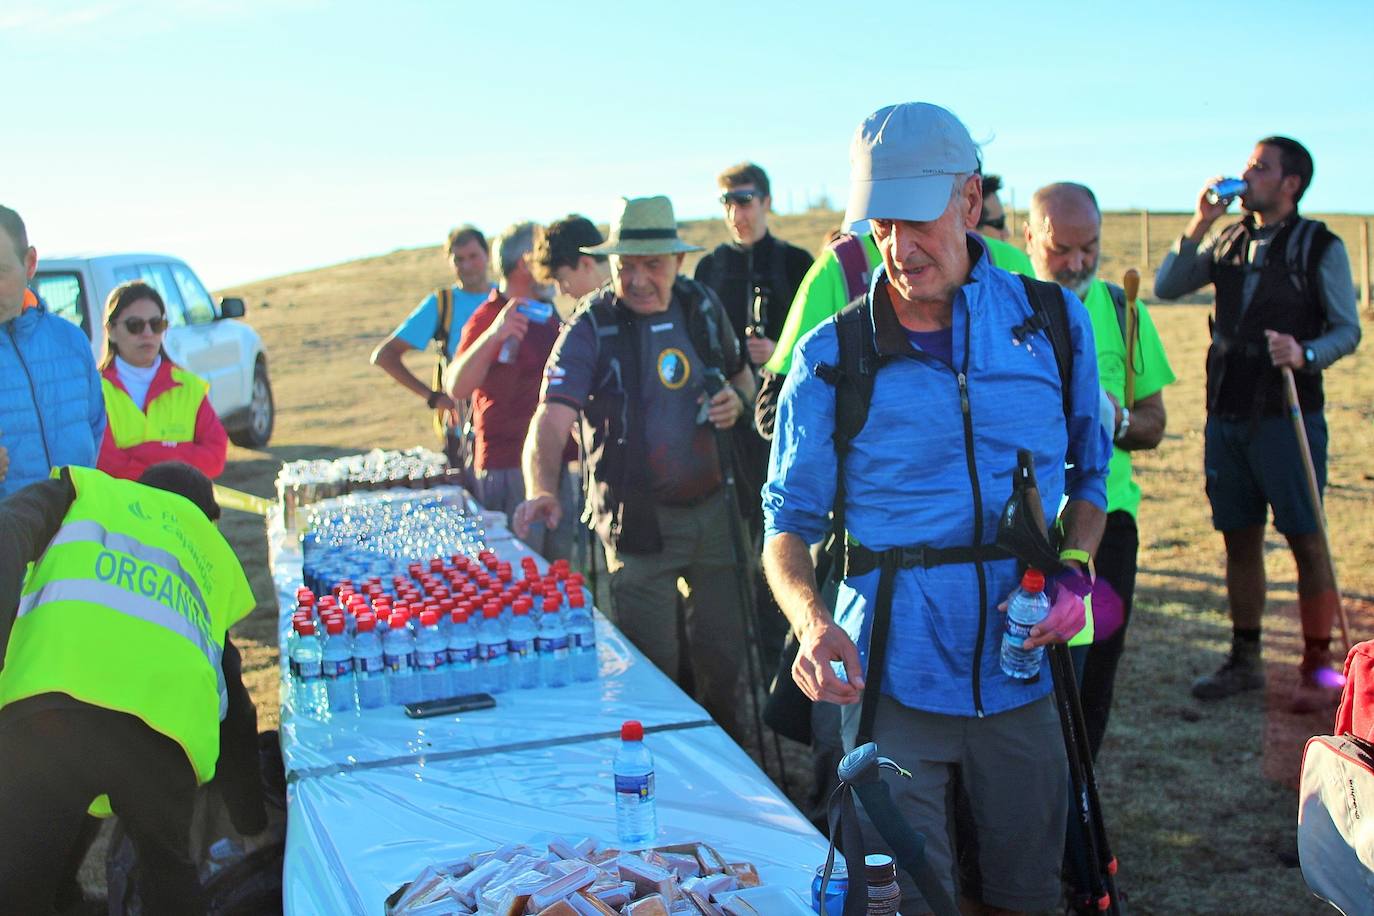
(1364, 261)
(1145, 240)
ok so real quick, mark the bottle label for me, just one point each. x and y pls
(462, 656)
(520, 649)
(584, 642)
(494, 653)
(557, 646)
(427, 661)
(370, 664)
(396, 663)
(640, 789)
(294, 667)
(338, 667)
(309, 671)
(1018, 632)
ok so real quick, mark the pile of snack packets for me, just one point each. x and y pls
(578, 879)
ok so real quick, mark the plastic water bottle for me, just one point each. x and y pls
(368, 665)
(338, 668)
(636, 818)
(1026, 607)
(581, 639)
(307, 664)
(398, 654)
(555, 664)
(462, 654)
(538, 313)
(520, 638)
(431, 658)
(491, 646)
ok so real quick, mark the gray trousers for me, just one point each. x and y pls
(644, 599)
(502, 489)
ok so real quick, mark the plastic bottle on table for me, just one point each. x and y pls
(307, 665)
(338, 667)
(1026, 607)
(491, 646)
(398, 651)
(368, 665)
(636, 818)
(552, 647)
(520, 638)
(431, 658)
(581, 638)
(462, 654)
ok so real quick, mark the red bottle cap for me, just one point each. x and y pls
(489, 612)
(551, 604)
(429, 618)
(522, 606)
(334, 626)
(305, 627)
(632, 731)
(1033, 581)
(366, 623)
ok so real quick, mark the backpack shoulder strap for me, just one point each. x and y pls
(849, 251)
(1303, 254)
(1119, 301)
(444, 326)
(699, 306)
(1049, 313)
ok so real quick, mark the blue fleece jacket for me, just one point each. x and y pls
(910, 480)
(52, 411)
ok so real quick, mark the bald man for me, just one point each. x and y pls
(1063, 236)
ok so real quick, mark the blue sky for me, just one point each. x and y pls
(261, 137)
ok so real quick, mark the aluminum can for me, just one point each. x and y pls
(835, 891)
(1226, 190)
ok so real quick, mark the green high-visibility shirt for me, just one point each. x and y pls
(1152, 373)
(823, 293)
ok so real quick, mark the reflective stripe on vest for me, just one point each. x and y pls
(127, 610)
(169, 417)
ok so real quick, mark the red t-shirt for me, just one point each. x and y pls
(503, 405)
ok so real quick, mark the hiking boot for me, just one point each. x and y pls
(1243, 670)
(1319, 685)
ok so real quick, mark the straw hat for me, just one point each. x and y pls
(645, 226)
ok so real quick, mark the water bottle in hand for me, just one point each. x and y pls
(1026, 607)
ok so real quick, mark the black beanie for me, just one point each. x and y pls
(180, 478)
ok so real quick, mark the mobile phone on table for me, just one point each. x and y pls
(465, 703)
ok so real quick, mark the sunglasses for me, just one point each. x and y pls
(740, 198)
(999, 223)
(135, 325)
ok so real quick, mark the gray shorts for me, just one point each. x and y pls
(1016, 777)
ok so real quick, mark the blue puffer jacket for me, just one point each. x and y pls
(52, 411)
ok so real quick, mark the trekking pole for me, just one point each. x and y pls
(714, 382)
(1101, 891)
(1290, 391)
(1131, 283)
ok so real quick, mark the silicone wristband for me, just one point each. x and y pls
(1073, 553)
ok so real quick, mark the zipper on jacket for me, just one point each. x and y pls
(967, 412)
(33, 393)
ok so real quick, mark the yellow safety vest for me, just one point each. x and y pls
(169, 417)
(127, 610)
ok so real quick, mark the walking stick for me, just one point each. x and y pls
(1290, 391)
(1131, 283)
(725, 449)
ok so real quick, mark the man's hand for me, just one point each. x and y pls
(1067, 614)
(725, 408)
(760, 349)
(1206, 213)
(823, 642)
(510, 323)
(1284, 350)
(543, 508)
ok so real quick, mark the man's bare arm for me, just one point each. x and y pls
(541, 463)
(387, 357)
(1147, 424)
(792, 576)
(1084, 524)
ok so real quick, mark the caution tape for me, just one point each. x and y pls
(244, 502)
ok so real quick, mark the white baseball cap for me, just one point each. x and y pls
(903, 162)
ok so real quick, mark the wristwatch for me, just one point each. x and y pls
(1124, 425)
(1309, 356)
(433, 399)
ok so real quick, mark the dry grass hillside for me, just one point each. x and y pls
(1198, 797)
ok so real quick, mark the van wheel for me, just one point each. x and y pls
(261, 412)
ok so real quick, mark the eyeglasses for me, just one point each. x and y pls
(135, 325)
(739, 198)
(1000, 223)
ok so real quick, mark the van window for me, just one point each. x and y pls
(200, 308)
(159, 278)
(64, 295)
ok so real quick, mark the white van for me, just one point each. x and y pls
(202, 335)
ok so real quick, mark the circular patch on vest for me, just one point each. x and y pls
(673, 368)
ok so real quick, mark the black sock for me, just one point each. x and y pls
(1316, 646)
(1246, 634)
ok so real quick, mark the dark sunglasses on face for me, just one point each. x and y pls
(1000, 223)
(739, 198)
(135, 325)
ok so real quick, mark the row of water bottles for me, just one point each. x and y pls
(400, 658)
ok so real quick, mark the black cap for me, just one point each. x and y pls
(180, 478)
